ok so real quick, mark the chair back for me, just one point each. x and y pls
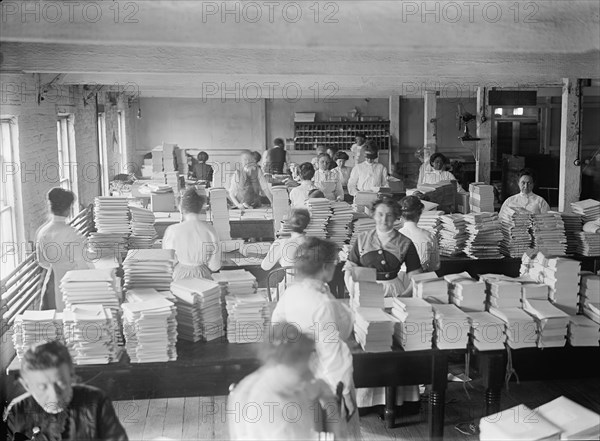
(276, 277)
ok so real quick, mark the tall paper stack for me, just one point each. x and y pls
(548, 231)
(487, 331)
(247, 317)
(320, 211)
(374, 329)
(150, 328)
(574, 421)
(515, 223)
(430, 221)
(95, 286)
(157, 160)
(199, 314)
(143, 232)
(465, 292)
(367, 295)
(552, 323)
(503, 294)
(169, 157)
(451, 327)
(146, 294)
(362, 200)
(453, 235)
(588, 244)
(338, 228)
(414, 331)
(360, 225)
(484, 236)
(481, 197)
(172, 180)
(590, 296)
(573, 226)
(111, 217)
(233, 283)
(34, 327)
(281, 205)
(534, 291)
(517, 423)
(520, 328)
(430, 287)
(589, 209)
(149, 268)
(583, 331)
(100, 348)
(220, 213)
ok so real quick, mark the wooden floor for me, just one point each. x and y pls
(204, 418)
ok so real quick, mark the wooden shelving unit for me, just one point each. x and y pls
(340, 134)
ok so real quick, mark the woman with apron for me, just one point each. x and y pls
(328, 181)
(195, 241)
(385, 250)
(60, 248)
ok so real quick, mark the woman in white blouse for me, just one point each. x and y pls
(368, 175)
(526, 198)
(425, 242)
(438, 162)
(328, 181)
(283, 251)
(298, 195)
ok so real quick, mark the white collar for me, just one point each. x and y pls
(56, 218)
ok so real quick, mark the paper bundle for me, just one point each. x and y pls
(143, 232)
(111, 217)
(574, 421)
(465, 292)
(481, 197)
(589, 209)
(146, 294)
(373, 329)
(430, 287)
(503, 294)
(573, 226)
(169, 157)
(338, 228)
(453, 235)
(150, 328)
(531, 290)
(487, 331)
(583, 331)
(520, 328)
(552, 323)
(430, 221)
(157, 159)
(360, 224)
(247, 317)
(34, 327)
(517, 423)
(548, 232)
(367, 295)
(588, 244)
(320, 212)
(149, 268)
(451, 327)
(220, 213)
(414, 329)
(199, 313)
(515, 222)
(95, 286)
(362, 200)
(233, 283)
(484, 236)
(172, 180)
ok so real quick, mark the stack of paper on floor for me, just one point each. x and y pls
(220, 213)
(145, 294)
(96, 286)
(281, 205)
(548, 232)
(583, 331)
(481, 197)
(552, 323)
(34, 327)
(430, 287)
(451, 327)
(360, 224)
(199, 313)
(589, 209)
(503, 294)
(247, 317)
(373, 329)
(453, 235)
(363, 199)
(588, 244)
(150, 328)
(152, 268)
(338, 228)
(517, 423)
(520, 328)
(484, 236)
(89, 332)
(320, 212)
(414, 331)
(515, 222)
(487, 331)
(143, 232)
(111, 217)
(234, 282)
(367, 295)
(465, 292)
(575, 421)
(590, 296)
(573, 226)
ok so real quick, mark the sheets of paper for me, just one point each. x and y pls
(414, 329)
(150, 328)
(590, 288)
(430, 287)
(520, 328)
(281, 205)
(430, 221)
(373, 329)
(552, 323)
(514, 223)
(90, 334)
(363, 199)
(592, 311)
(589, 209)
(453, 235)
(247, 317)
(146, 294)
(583, 331)
(367, 295)
(484, 236)
(95, 286)
(517, 423)
(143, 233)
(157, 159)
(149, 268)
(111, 214)
(360, 224)
(234, 283)
(574, 421)
(588, 244)
(487, 331)
(320, 212)
(219, 212)
(338, 228)
(548, 232)
(534, 291)
(465, 292)
(503, 294)
(199, 311)
(451, 327)
(481, 197)
(34, 327)
(573, 225)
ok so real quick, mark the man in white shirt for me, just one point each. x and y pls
(369, 175)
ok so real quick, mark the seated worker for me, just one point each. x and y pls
(438, 163)
(327, 180)
(275, 158)
(526, 198)
(300, 194)
(200, 170)
(319, 151)
(369, 175)
(340, 158)
(53, 408)
(294, 175)
(247, 183)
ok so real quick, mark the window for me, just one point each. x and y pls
(67, 160)
(10, 215)
(122, 141)
(103, 154)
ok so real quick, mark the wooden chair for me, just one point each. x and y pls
(276, 276)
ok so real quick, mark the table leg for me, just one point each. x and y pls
(437, 396)
(390, 407)
(492, 400)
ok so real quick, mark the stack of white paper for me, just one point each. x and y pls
(453, 235)
(517, 423)
(172, 180)
(169, 157)
(548, 232)
(234, 282)
(487, 331)
(150, 328)
(199, 313)
(592, 311)
(95, 286)
(589, 209)
(373, 329)
(146, 294)
(481, 197)
(34, 327)
(465, 292)
(551, 322)
(430, 221)
(284, 230)
(515, 222)
(520, 328)
(111, 217)
(451, 327)
(338, 228)
(430, 287)
(503, 294)
(588, 244)
(359, 225)
(151, 268)
(573, 226)
(90, 334)
(143, 232)
(414, 329)
(583, 331)
(590, 296)
(534, 291)
(484, 236)
(157, 159)
(220, 213)
(247, 317)
(367, 295)
(320, 212)
(574, 421)
(281, 205)
(362, 200)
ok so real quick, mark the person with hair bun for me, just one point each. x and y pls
(526, 198)
(283, 251)
(426, 244)
(438, 173)
(60, 247)
(194, 240)
(201, 170)
(369, 175)
(299, 195)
